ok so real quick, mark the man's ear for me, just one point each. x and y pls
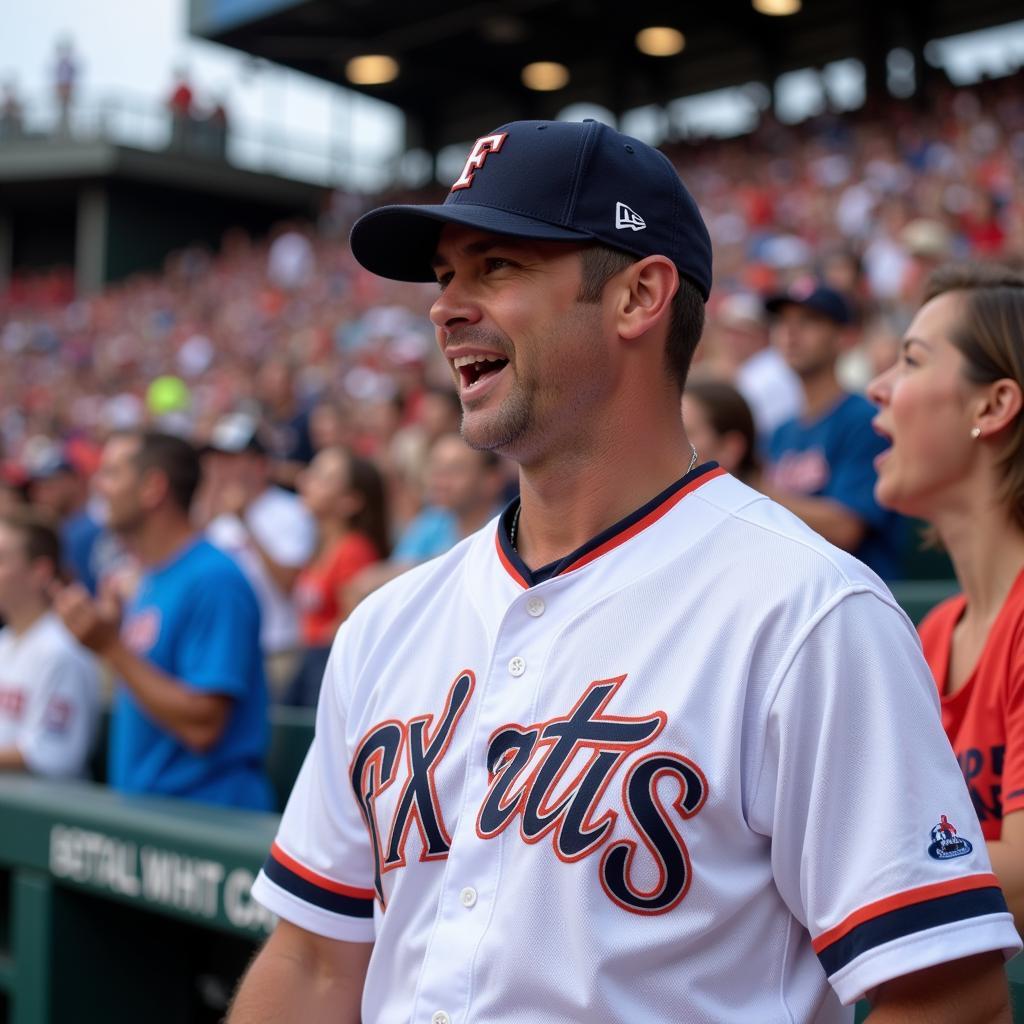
(152, 488)
(645, 296)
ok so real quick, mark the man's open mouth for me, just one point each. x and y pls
(473, 369)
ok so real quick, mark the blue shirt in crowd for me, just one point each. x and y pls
(833, 457)
(431, 533)
(196, 617)
(78, 538)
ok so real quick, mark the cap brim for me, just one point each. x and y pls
(212, 449)
(774, 303)
(399, 241)
(778, 302)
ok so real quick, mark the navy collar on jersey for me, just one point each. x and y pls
(615, 535)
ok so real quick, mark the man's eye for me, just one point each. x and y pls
(443, 279)
(496, 263)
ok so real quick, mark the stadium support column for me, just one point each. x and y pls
(874, 51)
(91, 238)
(919, 26)
(6, 251)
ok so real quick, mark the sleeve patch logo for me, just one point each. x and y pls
(946, 844)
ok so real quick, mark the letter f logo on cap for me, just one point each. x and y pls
(485, 145)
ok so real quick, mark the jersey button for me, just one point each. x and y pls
(516, 667)
(440, 1018)
(468, 897)
(535, 607)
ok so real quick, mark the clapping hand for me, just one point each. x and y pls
(94, 622)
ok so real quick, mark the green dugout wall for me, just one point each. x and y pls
(121, 909)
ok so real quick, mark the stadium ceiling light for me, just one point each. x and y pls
(371, 69)
(776, 8)
(660, 41)
(545, 76)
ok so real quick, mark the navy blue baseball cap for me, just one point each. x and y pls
(556, 180)
(815, 296)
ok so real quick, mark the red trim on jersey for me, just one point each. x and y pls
(504, 559)
(318, 880)
(626, 533)
(652, 517)
(904, 899)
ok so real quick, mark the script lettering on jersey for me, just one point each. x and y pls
(376, 766)
(529, 768)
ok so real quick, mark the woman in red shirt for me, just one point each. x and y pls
(345, 494)
(951, 406)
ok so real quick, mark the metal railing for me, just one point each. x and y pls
(140, 123)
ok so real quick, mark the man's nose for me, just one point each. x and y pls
(455, 305)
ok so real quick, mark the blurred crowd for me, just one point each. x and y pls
(326, 424)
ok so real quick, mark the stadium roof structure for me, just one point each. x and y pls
(460, 62)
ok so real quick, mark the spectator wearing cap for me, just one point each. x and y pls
(929, 244)
(821, 463)
(265, 528)
(770, 387)
(190, 711)
(49, 686)
(59, 490)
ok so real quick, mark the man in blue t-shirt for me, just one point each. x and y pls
(190, 715)
(822, 463)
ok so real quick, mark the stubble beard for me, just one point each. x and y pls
(503, 429)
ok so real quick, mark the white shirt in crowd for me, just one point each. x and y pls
(49, 697)
(772, 390)
(287, 532)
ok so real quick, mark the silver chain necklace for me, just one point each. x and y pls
(513, 530)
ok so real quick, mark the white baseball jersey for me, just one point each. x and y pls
(49, 697)
(694, 771)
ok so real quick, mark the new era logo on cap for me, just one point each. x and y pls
(627, 218)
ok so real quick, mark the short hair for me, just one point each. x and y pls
(727, 410)
(686, 324)
(173, 456)
(989, 334)
(38, 534)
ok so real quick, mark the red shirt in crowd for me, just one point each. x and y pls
(984, 719)
(320, 583)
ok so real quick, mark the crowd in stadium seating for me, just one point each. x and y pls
(294, 370)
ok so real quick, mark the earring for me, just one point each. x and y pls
(975, 432)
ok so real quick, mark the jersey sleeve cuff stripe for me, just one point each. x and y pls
(943, 911)
(900, 900)
(306, 891)
(283, 865)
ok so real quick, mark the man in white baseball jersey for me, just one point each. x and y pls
(644, 748)
(49, 686)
